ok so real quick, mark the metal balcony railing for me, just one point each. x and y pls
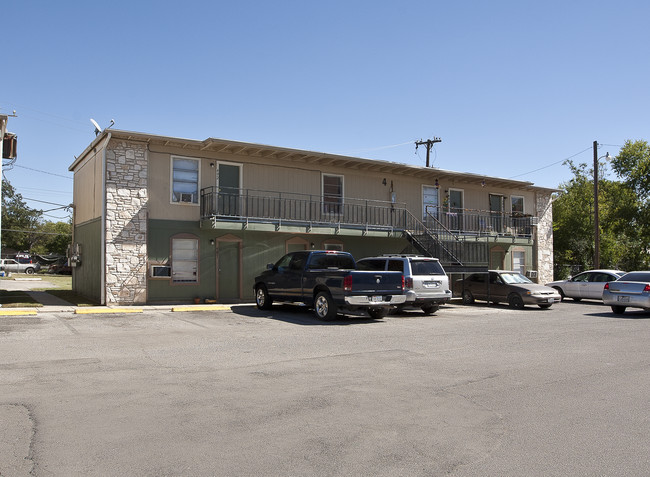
(282, 207)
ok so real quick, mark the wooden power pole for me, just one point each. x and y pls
(429, 143)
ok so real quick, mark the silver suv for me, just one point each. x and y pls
(425, 282)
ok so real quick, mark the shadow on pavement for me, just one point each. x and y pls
(300, 315)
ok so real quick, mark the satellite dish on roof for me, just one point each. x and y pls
(97, 128)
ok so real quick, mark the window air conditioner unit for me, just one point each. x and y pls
(187, 197)
(534, 220)
(531, 273)
(161, 271)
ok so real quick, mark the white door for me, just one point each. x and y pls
(429, 201)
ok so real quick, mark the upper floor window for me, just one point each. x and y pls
(185, 180)
(332, 193)
(517, 204)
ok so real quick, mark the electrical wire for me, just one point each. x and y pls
(36, 232)
(552, 164)
(44, 172)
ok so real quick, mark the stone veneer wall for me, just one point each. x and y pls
(544, 238)
(126, 223)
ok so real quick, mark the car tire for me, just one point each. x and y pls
(324, 307)
(561, 292)
(618, 310)
(468, 298)
(515, 301)
(575, 298)
(430, 309)
(262, 298)
(378, 313)
(30, 271)
(545, 306)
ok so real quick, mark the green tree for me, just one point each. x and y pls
(24, 229)
(56, 238)
(622, 241)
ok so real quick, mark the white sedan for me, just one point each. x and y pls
(587, 284)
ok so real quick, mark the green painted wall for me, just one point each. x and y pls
(259, 249)
(86, 277)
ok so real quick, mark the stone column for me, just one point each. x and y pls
(126, 223)
(544, 212)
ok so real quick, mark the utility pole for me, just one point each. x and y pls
(3, 131)
(429, 143)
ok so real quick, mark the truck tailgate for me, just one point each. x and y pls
(376, 283)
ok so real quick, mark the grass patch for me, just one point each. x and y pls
(16, 299)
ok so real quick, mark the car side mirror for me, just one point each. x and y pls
(269, 266)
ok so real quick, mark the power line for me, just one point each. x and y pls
(44, 172)
(553, 164)
(36, 232)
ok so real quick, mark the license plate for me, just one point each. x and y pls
(623, 298)
(431, 284)
(376, 299)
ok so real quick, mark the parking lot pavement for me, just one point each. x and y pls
(469, 391)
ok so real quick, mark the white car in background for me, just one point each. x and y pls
(587, 284)
(15, 266)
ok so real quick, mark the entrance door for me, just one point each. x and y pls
(497, 257)
(228, 271)
(496, 213)
(456, 210)
(429, 201)
(228, 187)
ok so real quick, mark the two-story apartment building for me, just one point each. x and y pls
(164, 219)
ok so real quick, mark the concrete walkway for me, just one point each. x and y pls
(44, 298)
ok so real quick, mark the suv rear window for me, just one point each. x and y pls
(426, 267)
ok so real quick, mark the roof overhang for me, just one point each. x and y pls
(313, 158)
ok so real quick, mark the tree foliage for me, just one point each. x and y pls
(624, 215)
(24, 229)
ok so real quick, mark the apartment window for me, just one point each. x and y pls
(185, 260)
(517, 205)
(185, 180)
(332, 194)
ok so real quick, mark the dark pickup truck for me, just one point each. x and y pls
(329, 282)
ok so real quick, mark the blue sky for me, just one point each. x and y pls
(511, 87)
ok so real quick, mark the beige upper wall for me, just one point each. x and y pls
(268, 174)
(272, 174)
(88, 188)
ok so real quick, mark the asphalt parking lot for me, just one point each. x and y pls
(469, 391)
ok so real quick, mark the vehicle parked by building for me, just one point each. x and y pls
(426, 284)
(500, 286)
(632, 290)
(14, 266)
(329, 282)
(587, 284)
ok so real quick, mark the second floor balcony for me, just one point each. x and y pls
(245, 205)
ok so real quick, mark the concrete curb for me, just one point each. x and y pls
(18, 312)
(98, 310)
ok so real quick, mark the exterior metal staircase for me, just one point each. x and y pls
(456, 254)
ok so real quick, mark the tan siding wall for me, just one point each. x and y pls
(88, 189)
(269, 174)
(160, 205)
